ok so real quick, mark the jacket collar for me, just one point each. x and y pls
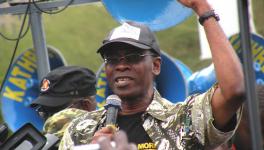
(159, 107)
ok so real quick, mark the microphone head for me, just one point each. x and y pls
(114, 101)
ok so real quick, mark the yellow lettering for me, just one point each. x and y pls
(28, 65)
(145, 145)
(16, 71)
(233, 38)
(30, 55)
(151, 145)
(140, 146)
(253, 46)
(21, 83)
(260, 48)
(256, 48)
(102, 74)
(148, 146)
(101, 92)
(100, 82)
(100, 105)
(260, 59)
(236, 45)
(15, 95)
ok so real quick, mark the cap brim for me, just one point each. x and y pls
(50, 101)
(109, 44)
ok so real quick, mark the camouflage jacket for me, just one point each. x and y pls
(57, 123)
(186, 125)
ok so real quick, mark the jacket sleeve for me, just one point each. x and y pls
(66, 141)
(202, 118)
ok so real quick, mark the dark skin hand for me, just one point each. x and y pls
(120, 140)
(105, 132)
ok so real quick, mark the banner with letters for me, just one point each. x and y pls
(257, 49)
(202, 80)
(22, 87)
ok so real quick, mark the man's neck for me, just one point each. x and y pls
(136, 105)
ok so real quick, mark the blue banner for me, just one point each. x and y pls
(202, 80)
(22, 87)
(257, 49)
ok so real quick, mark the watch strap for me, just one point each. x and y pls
(208, 15)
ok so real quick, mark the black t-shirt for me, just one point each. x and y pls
(132, 125)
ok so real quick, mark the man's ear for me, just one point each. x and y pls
(156, 65)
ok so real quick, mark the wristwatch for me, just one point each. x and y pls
(208, 15)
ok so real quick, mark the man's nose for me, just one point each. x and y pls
(122, 64)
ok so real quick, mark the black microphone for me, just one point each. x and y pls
(113, 105)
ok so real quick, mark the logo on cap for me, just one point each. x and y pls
(126, 31)
(45, 85)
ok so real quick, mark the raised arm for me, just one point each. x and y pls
(230, 94)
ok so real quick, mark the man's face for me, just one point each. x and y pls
(130, 71)
(87, 103)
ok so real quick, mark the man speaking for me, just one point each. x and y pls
(132, 61)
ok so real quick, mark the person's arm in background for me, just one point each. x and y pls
(230, 94)
(58, 122)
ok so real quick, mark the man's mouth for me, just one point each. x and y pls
(123, 81)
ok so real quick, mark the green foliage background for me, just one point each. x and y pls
(77, 32)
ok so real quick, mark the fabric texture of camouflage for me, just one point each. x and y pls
(185, 125)
(57, 123)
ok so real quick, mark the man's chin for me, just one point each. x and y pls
(124, 94)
